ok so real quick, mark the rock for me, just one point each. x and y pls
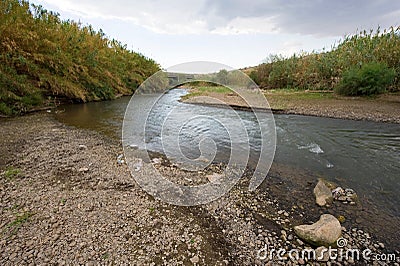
(195, 259)
(157, 160)
(83, 169)
(283, 235)
(381, 245)
(82, 147)
(341, 219)
(323, 194)
(299, 242)
(322, 254)
(342, 198)
(214, 178)
(325, 232)
(345, 195)
(137, 166)
(120, 159)
(337, 192)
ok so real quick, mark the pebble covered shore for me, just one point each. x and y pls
(65, 199)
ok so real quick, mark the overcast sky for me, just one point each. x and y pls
(236, 33)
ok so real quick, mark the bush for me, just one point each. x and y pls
(369, 79)
(5, 110)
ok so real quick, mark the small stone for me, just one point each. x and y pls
(55, 237)
(283, 235)
(323, 194)
(299, 242)
(341, 219)
(342, 198)
(381, 245)
(157, 160)
(214, 178)
(322, 253)
(195, 259)
(137, 166)
(83, 170)
(82, 147)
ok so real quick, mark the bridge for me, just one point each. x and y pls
(179, 78)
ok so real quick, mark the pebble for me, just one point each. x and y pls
(195, 259)
(82, 147)
(83, 169)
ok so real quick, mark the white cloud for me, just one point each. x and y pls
(314, 17)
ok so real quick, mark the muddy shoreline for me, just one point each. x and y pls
(68, 201)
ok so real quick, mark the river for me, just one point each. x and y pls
(361, 155)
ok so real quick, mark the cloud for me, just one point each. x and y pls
(312, 17)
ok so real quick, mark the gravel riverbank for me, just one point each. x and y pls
(64, 199)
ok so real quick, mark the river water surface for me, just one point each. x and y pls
(361, 155)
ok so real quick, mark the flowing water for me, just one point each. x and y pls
(361, 155)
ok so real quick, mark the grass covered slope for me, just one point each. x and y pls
(44, 61)
(363, 64)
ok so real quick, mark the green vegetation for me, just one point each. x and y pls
(371, 78)
(204, 88)
(12, 172)
(358, 60)
(19, 220)
(45, 61)
(217, 89)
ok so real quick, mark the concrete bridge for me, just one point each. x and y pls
(179, 78)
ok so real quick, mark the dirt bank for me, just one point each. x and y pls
(383, 108)
(66, 200)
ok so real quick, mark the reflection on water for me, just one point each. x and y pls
(357, 154)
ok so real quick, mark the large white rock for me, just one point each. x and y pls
(325, 232)
(323, 194)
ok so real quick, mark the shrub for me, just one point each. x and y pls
(371, 78)
(5, 110)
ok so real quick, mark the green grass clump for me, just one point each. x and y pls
(217, 89)
(369, 79)
(200, 90)
(19, 220)
(12, 172)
